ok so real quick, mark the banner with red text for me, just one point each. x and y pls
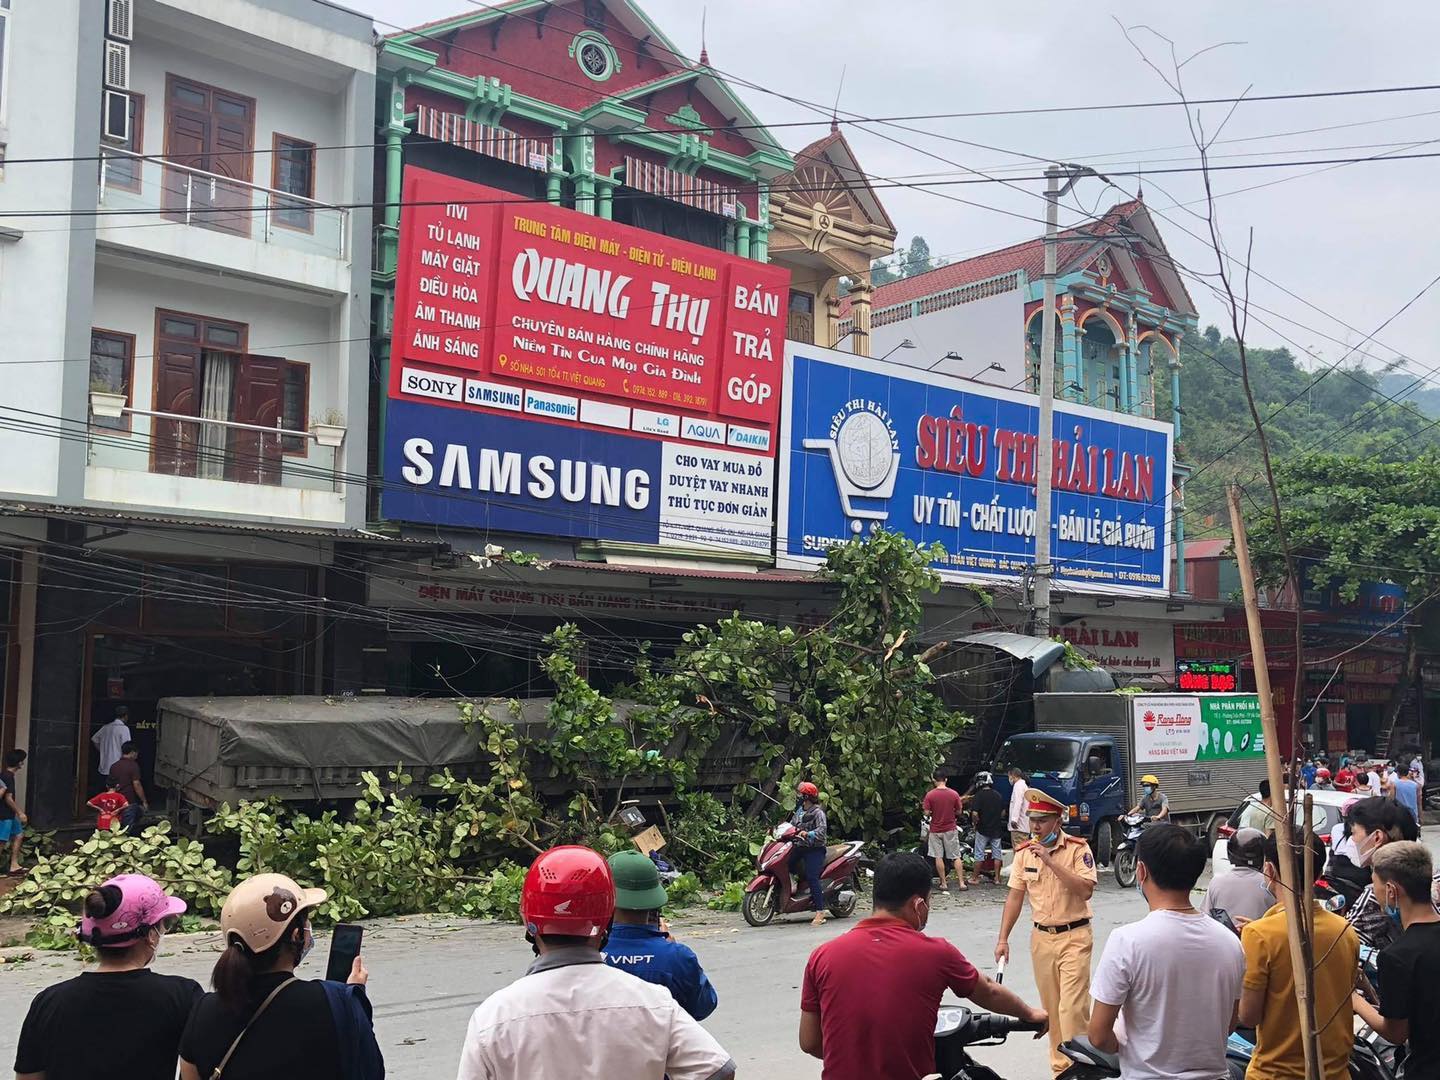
(555, 372)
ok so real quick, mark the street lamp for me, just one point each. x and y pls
(992, 366)
(906, 344)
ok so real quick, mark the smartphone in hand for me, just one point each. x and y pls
(344, 947)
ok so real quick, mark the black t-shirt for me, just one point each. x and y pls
(124, 773)
(7, 783)
(295, 1036)
(991, 812)
(102, 1023)
(1410, 990)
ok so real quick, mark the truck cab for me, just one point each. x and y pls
(1083, 770)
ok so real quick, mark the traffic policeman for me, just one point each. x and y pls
(1057, 872)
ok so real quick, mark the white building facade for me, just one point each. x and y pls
(184, 350)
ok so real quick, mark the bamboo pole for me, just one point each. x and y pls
(1293, 893)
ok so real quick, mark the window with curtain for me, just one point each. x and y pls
(293, 171)
(203, 371)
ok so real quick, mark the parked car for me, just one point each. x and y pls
(1326, 811)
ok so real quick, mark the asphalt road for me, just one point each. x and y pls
(427, 975)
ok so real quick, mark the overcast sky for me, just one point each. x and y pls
(1354, 242)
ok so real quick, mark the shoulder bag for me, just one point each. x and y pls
(219, 1069)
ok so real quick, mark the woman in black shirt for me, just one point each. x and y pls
(122, 1019)
(277, 1025)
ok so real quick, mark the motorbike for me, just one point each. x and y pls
(1088, 1062)
(1371, 1058)
(957, 1028)
(773, 891)
(1123, 857)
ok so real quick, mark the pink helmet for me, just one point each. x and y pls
(133, 904)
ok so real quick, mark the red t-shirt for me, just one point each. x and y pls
(877, 989)
(109, 804)
(943, 804)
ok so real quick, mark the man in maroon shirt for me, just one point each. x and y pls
(943, 804)
(871, 996)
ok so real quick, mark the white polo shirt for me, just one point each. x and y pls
(574, 1016)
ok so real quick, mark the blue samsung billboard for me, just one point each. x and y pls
(865, 445)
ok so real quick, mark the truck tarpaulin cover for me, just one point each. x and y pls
(326, 733)
(556, 373)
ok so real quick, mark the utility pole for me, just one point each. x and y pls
(1045, 447)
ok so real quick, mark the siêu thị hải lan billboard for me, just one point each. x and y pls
(555, 372)
(867, 444)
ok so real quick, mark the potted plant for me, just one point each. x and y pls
(106, 402)
(329, 431)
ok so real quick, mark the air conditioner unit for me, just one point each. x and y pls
(117, 65)
(119, 21)
(115, 121)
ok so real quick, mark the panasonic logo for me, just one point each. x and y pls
(541, 477)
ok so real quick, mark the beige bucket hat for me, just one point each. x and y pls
(258, 910)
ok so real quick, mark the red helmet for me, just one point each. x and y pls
(568, 890)
(1322, 774)
(807, 790)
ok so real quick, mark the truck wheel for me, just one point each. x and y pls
(1104, 842)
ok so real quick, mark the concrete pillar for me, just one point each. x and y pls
(1132, 369)
(1175, 394)
(760, 248)
(59, 689)
(1072, 359)
(606, 191)
(29, 575)
(743, 230)
(1179, 511)
(861, 295)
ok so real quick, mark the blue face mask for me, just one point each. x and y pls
(1392, 913)
(1140, 888)
(1049, 838)
(1149, 789)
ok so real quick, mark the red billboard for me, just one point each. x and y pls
(492, 284)
(555, 372)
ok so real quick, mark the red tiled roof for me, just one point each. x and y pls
(1206, 549)
(1029, 255)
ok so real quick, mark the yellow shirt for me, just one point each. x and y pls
(1278, 1052)
(1051, 903)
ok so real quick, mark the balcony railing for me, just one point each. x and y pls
(147, 191)
(174, 444)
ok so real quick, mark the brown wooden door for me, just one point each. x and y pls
(211, 130)
(259, 399)
(177, 390)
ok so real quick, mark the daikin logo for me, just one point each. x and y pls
(865, 458)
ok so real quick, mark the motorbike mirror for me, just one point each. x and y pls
(1336, 903)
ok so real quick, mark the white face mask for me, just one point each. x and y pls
(1373, 843)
